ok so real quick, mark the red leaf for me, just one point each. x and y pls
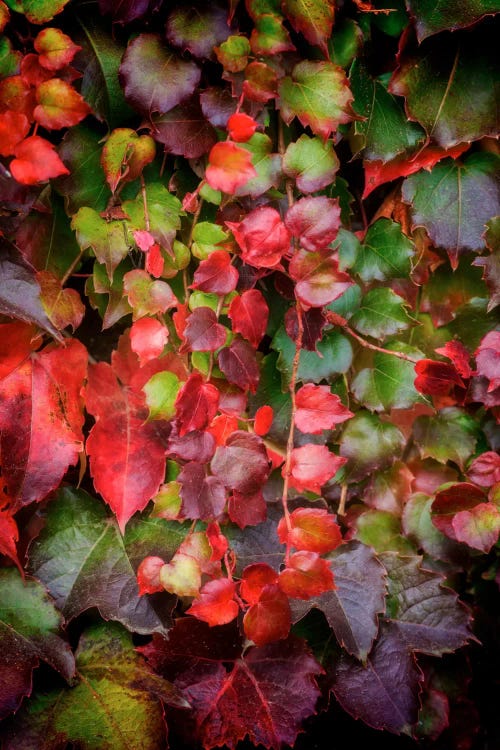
(242, 463)
(262, 237)
(148, 575)
(216, 274)
(17, 95)
(485, 469)
(488, 359)
(254, 579)
(318, 409)
(32, 72)
(9, 535)
(196, 445)
(222, 427)
(249, 314)
(14, 126)
(17, 340)
(312, 466)
(127, 453)
(306, 575)
(59, 105)
(457, 497)
(312, 529)
(196, 404)
(41, 420)
(260, 82)
(436, 378)
(55, 48)
(217, 541)
(215, 603)
(203, 497)
(269, 619)
(239, 365)
(148, 338)
(247, 510)
(202, 332)
(36, 161)
(313, 323)
(318, 279)
(241, 127)
(315, 221)
(229, 167)
(478, 527)
(154, 261)
(263, 420)
(459, 355)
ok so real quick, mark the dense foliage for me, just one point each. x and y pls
(249, 373)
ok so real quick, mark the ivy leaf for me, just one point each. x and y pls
(29, 631)
(9, 536)
(14, 127)
(241, 464)
(59, 105)
(63, 306)
(115, 703)
(262, 237)
(147, 339)
(318, 278)
(353, 607)
(239, 364)
(203, 332)
(198, 30)
(42, 397)
(154, 78)
(36, 160)
(427, 615)
(312, 18)
(38, 11)
(124, 156)
(385, 253)
(449, 436)
(202, 496)
(382, 313)
(311, 162)
(127, 11)
(478, 527)
(430, 19)
(107, 239)
(249, 315)
(267, 166)
(384, 692)
(453, 202)
(184, 130)
(381, 529)
(306, 575)
(317, 409)
(215, 603)
(100, 571)
(216, 274)
(268, 619)
(196, 404)
(369, 444)
(257, 544)
(55, 49)
(315, 221)
(389, 384)
(333, 356)
(317, 93)
(487, 356)
(418, 527)
(449, 86)
(164, 211)
(311, 529)
(85, 184)
(229, 167)
(269, 393)
(312, 466)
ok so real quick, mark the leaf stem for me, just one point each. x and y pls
(337, 320)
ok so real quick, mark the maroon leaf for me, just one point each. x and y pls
(247, 510)
(198, 29)
(196, 404)
(318, 279)
(315, 221)
(242, 464)
(457, 497)
(436, 378)
(313, 323)
(268, 619)
(239, 365)
(202, 332)
(249, 314)
(196, 445)
(184, 130)
(485, 469)
(203, 497)
(459, 355)
(262, 237)
(216, 274)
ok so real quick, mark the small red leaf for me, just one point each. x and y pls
(241, 127)
(216, 274)
(36, 161)
(318, 278)
(148, 575)
(315, 221)
(14, 127)
(436, 378)
(312, 466)
(254, 579)
(239, 365)
(247, 510)
(215, 604)
(203, 333)
(262, 237)
(263, 420)
(148, 338)
(459, 355)
(485, 469)
(307, 575)
(242, 463)
(318, 409)
(196, 404)
(217, 541)
(229, 167)
(55, 48)
(455, 498)
(203, 497)
(312, 529)
(59, 105)
(154, 261)
(222, 428)
(269, 619)
(249, 314)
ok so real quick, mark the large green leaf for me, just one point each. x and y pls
(37, 11)
(311, 162)
(385, 252)
(334, 357)
(108, 239)
(382, 313)
(83, 560)
(86, 184)
(369, 444)
(449, 436)
(431, 17)
(164, 212)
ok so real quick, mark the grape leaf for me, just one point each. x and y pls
(29, 631)
(431, 18)
(369, 444)
(100, 571)
(449, 436)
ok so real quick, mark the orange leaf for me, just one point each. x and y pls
(59, 105)
(229, 167)
(36, 161)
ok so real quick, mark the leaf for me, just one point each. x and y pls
(382, 313)
(257, 544)
(312, 18)
(317, 409)
(317, 93)
(116, 701)
(353, 606)
(430, 19)
(249, 315)
(306, 575)
(85, 184)
(9, 536)
(369, 444)
(37, 11)
(203, 333)
(385, 253)
(262, 237)
(229, 167)
(154, 78)
(239, 365)
(198, 30)
(64, 307)
(183, 130)
(311, 162)
(215, 603)
(384, 692)
(127, 454)
(315, 221)
(107, 239)
(449, 86)
(487, 356)
(164, 211)
(381, 529)
(312, 466)
(478, 527)
(148, 338)
(36, 160)
(241, 127)
(40, 398)
(127, 10)
(449, 436)
(145, 296)
(14, 127)
(124, 156)
(427, 615)
(59, 105)
(453, 202)
(55, 49)
(390, 383)
(485, 469)
(196, 404)
(453, 498)
(333, 356)
(203, 497)
(241, 464)
(318, 278)
(269, 37)
(419, 528)
(29, 631)
(267, 166)
(254, 580)
(436, 378)
(268, 619)
(311, 529)
(100, 571)
(216, 274)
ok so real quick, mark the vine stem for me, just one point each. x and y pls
(338, 320)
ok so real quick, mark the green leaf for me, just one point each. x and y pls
(85, 185)
(108, 296)
(82, 559)
(389, 383)
(10, 59)
(29, 631)
(161, 391)
(164, 212)
(266, 164)
(385, 131)
(385, 253)
(418, 527)
(454, 202)
(382, 531)
(115, 705)
(312, 18)
(311, 162)
(318, 94)
(108, 239)
(269, 393)
(449, 436)
(449, 85)
(334, 357)
(369, 444)
(431, 17)
(382, 313)
(345, 42)
(37, 11)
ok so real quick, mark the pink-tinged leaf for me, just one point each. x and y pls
(313, 323)
(269, 618)
(196, 445)
(184, 130)
(262, 237)
(488, 359)
(32, 72)
(455, 498)
(203, 332)
(145, 296)
(36, 161)
(485, 469)
(312, 18)
(247, 510)
(9, 535)
(41, 399)
(215, 603)
(222, 428)
(318, 409)
(64, 307)
(312, 466)
(459, 355)
(197, 28)
(254, 579)
(127, 453)
(315, 221)
(203, 497)
(242, 463)
(318, 278)
(306, 575)
(261, 82)
(55, 49)
(17, 95)
(249, 314)
(312, 530)
(182, 575)
(216, 274)
(436, 378)
(229, 167)
(383, 691)
(143, 239)
(479, 527)
(148, 575)
(263, 420)
(196, 404)
(241, 127)
(14, 127)
(59, 105)
(218, 542)
(148, 338)
(239, 365)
